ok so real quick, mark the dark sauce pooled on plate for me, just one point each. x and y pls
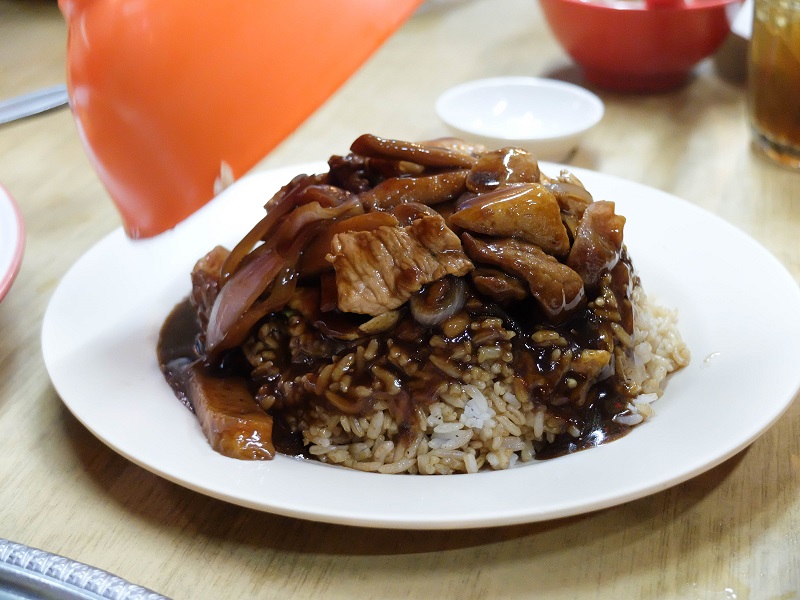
(180, 354)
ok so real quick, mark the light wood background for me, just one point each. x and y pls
(733, 532)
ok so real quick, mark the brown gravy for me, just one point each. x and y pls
(179, 351)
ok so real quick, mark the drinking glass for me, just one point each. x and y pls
(774, 81)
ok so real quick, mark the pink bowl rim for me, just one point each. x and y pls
(640, 6)
(17, 241)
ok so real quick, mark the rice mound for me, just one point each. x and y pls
(483, 417)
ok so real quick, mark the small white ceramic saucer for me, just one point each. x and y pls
(544, 116)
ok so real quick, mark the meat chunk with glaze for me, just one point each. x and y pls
(556, 287)
(598, 242)
(528, 212)
(502, 167)
(379, 270)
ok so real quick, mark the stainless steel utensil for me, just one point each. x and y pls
(33, 103)
(31, 574)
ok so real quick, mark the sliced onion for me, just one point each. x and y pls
(433, 305)
(288, 198)
(234, 315)
(304, 215)
(282, 291)
(238, 295)
(276, 211)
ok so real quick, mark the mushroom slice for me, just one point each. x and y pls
(428, 156)
(598, 242)
(527, 211)
(456, 145)
(499, 286)
(427, 189)
(501, 167)
(557, 288)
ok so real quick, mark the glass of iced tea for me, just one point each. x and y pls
(774, 81)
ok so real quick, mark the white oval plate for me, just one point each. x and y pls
(738, 314)
(12, 241)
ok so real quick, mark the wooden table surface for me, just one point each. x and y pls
(733, 532)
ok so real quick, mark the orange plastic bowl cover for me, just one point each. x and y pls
(635, 45)
(164, 92)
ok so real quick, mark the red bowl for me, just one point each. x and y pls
(632, 45)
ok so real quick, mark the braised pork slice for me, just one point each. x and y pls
(598, 242)
(557, 288)
(379, 270)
